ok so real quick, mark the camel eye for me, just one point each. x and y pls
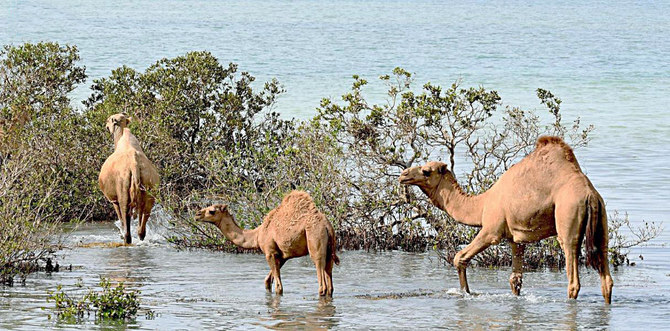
(426, 172)
(211, 212)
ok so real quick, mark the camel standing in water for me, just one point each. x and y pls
(294, 229)
(126, 176)
(545, 194)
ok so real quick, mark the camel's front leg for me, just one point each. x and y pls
(516, 279)
(462, 258)
(275, 265)
(269, 279)
(268, 282)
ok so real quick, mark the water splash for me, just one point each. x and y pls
(498, 297)
(156, 229)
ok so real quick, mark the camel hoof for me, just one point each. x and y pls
(141, 236)
(128, 239)
(515, 282)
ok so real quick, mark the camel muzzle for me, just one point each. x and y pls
(404, 177)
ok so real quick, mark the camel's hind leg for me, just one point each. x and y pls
(124, 211)
(318, 251)
(516, 279)
(144, 207)
(329, 276)
(117, 209)
(606, 282)
(568, 228)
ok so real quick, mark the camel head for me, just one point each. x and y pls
(115, 121)
(427, 176)
(213, 214)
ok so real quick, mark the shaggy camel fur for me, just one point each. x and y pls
(126, 176)
(545, 194)
(295, 228)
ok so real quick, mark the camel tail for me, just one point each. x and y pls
(135, 188)
(595, 233)
(333, 245)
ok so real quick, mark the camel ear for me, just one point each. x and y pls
(128, 120)
(222, 208)
(442, 169)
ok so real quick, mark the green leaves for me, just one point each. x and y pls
(110, 303)
(34, 82)
(190, 106)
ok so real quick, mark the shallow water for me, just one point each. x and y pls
(199, 289)
(607, 61)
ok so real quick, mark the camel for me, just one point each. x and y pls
(126, 176)
(544, 195)
(294, 229)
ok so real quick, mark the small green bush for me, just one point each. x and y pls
(110, 303)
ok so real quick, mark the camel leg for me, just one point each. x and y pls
(268, 282)
(572, 269)
(516, 279)
(329, 276)
(481, 242)
(117, 209)
(145, 205)
(275, 265)
(568, 226)
(320, 263)
(269, 279)
(124, 207)
(139, 211)
(318, 249)
(606, 282)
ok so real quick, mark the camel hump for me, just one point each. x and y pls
(297, 195)
(297, 198)
(553, 141)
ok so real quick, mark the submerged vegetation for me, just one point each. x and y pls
(212, 132)
(112, 302)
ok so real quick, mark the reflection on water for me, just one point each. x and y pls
(211, 290)
(128, 264)
(319, 316)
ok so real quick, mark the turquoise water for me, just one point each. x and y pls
(607, 61)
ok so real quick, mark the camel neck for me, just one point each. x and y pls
(242, 238)
(118, 134)
(463, 208)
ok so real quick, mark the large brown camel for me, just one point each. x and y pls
(294, 229)
(126, 176)
(545, 194)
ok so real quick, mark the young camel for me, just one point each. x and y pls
(545, 194)
(294, 229)
(126, 176)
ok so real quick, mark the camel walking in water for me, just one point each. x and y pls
(294, 229)
(545, 194)
(126, 176)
